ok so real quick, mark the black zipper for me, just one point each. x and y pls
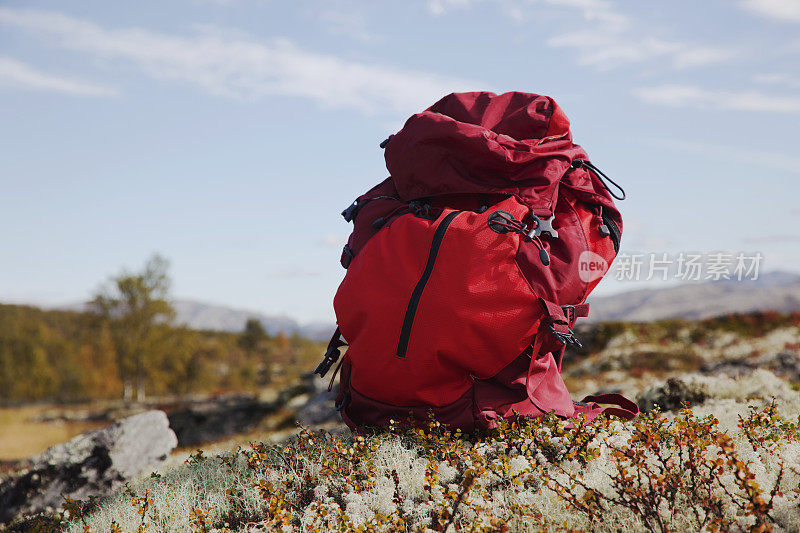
(614, 233)
(416, 294)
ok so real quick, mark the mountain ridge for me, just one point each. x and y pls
(775, 291)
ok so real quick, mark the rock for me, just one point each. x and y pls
(784, 364)
(269, 395)
(318, 409)
(732, 369)
(298, 401)
(671, 395)
(217, 419)
(92, 464)
(302, 387)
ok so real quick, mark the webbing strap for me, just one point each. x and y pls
(581, 310)
(618, 406)
(560, 320)
(531, 385)
(573, 312)
(555, 314)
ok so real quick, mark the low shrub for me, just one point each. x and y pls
(657, 473)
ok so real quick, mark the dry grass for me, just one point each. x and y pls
(20, 438)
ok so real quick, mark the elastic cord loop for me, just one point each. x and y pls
(600, 175)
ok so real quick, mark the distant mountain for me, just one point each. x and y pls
(777, 291)
(198, 315)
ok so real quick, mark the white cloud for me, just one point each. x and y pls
(599, 11)
(780, 10)
(777, 78)
(333, 240)
(20, 75)
(613, 40)
(781, 162)
(513, 9)
(343, 19)
(604, 50)
(776, 238)
(771, 78)
(230, 64)
(693, 96)
(690, 55)
(440, 7)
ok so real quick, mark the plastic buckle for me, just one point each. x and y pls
(347, 256)
(565, 338)
(328, 360)
(543, 226)
(350, 212)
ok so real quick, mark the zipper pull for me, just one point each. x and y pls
(544, 257)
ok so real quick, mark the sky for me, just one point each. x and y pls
(227, 135)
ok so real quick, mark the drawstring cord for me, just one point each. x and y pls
(422, 210)
(499, 218)
(510, 223)
(578, 163)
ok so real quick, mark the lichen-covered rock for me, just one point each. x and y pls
(92, 464)
(671, 395)
(784, 364)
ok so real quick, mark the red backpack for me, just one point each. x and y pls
(467, 268)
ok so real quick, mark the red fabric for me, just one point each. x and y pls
(370, 412)
(473, 147)
(482, 306)
(619, 406)
(482, 142)
(480, 346)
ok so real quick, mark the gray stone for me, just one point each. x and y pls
(217, 419)
(671, 396)
(92, 464)
(785, 365)
(317, 408)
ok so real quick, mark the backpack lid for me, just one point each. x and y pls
(479, 142)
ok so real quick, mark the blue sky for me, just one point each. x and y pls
(228, 134)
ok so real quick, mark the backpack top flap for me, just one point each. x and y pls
(479, 142)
